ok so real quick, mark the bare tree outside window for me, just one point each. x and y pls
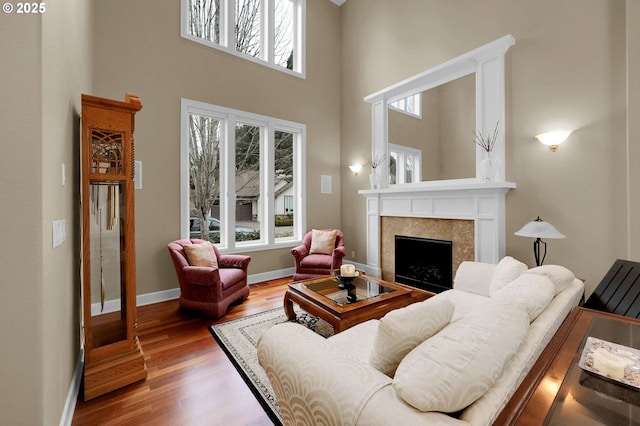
(283, 34)
(204, 19)
(204, 167)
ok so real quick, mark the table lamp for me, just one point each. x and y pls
(539, 229)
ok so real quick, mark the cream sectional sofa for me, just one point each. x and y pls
(454, 359)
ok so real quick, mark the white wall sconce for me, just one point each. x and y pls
(553, 139)
(355, 168)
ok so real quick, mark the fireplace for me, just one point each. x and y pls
(424, 263)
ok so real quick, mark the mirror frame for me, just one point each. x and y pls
(487, 62)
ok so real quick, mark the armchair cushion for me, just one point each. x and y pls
(201, 255)
(322, 241)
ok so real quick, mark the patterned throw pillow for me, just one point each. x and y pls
(560, 276)
(322, 242)
(201, 255)
(401, 330)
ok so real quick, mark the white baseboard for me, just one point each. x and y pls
(74, 390)
(174, 293)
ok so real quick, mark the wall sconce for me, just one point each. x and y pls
(553, 139)
(355, 168)
(539, 229)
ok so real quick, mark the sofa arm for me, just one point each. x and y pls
(201, 275)
(314, 382)
(299, 252)
(234, 261)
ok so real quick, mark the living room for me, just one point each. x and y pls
(573, 66)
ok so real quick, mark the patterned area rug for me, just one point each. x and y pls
(239, 338)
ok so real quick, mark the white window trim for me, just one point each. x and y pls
(401, 162)
(227, 173)
(227, 35)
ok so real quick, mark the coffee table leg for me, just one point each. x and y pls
(288, 308)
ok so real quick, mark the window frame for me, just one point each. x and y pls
(401, 105)
(227, 35)
(401, 162)
(269, 125)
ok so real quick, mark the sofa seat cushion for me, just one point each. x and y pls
(401, 330)
(357, 341)
(463, 302)
(531, 292)
(458, 365)
(507, 270)
(231, 276)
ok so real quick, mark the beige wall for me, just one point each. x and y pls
(43, 73)
(567, 70)
(148, 57)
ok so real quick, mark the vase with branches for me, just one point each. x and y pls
(487, 142)
(374, 162)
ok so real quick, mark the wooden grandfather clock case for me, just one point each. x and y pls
(112, 353)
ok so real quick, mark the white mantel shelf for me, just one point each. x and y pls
(466, 199)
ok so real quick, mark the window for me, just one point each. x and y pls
(255, 160)
(270, 32)
(409, 105)
(404, 164)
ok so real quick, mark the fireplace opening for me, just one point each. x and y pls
(424, 263)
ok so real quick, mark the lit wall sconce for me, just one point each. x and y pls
(539, 229)
(553, 139)
(355, 168)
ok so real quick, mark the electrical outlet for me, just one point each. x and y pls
(353, 254)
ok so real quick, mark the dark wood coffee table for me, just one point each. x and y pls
(558, 392)
(370, 298)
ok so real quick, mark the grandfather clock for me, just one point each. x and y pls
(112, 353)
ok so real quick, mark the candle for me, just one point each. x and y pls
(609, 364)
(347, 270)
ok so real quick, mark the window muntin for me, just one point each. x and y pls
(268, 31)
(260, 164)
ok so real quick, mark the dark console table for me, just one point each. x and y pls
(558, 392)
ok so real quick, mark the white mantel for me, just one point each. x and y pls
(467, 199)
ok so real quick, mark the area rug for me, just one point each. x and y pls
(239, 338)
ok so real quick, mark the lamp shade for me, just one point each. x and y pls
(539, 229)
(553, 139)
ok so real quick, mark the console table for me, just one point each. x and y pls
(558, 392)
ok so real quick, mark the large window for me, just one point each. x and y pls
(242, 177)
(268, 31)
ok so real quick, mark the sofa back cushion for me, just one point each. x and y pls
(474, 277)
(560, 276)
(401, 330)
(458, 365)
(531, 292)
(507, 270)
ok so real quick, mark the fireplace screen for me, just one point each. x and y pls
(424, 263)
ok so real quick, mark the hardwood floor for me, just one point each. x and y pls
(191, 381)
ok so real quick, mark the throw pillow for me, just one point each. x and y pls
(560, 276)
(401, 330)
(322, 241)
(462, 362)
(474, 277)
(531, 292)
(507, 270)
(201, 255)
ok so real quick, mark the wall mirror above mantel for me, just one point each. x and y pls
(424, 126)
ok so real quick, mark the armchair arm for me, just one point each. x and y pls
(313, 376)
(201, 275)
(299, 252)
(234, 261)
(338, 254)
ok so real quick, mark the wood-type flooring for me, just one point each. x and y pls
(191, 381)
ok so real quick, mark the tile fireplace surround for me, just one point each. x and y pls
(474, 214)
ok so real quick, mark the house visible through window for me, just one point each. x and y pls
(242, 176)
(268, 31)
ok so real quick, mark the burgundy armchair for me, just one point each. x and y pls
(207, 289)
(316, 265)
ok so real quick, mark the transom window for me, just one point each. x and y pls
(411, 105)
(241, 178)
(270, 32)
